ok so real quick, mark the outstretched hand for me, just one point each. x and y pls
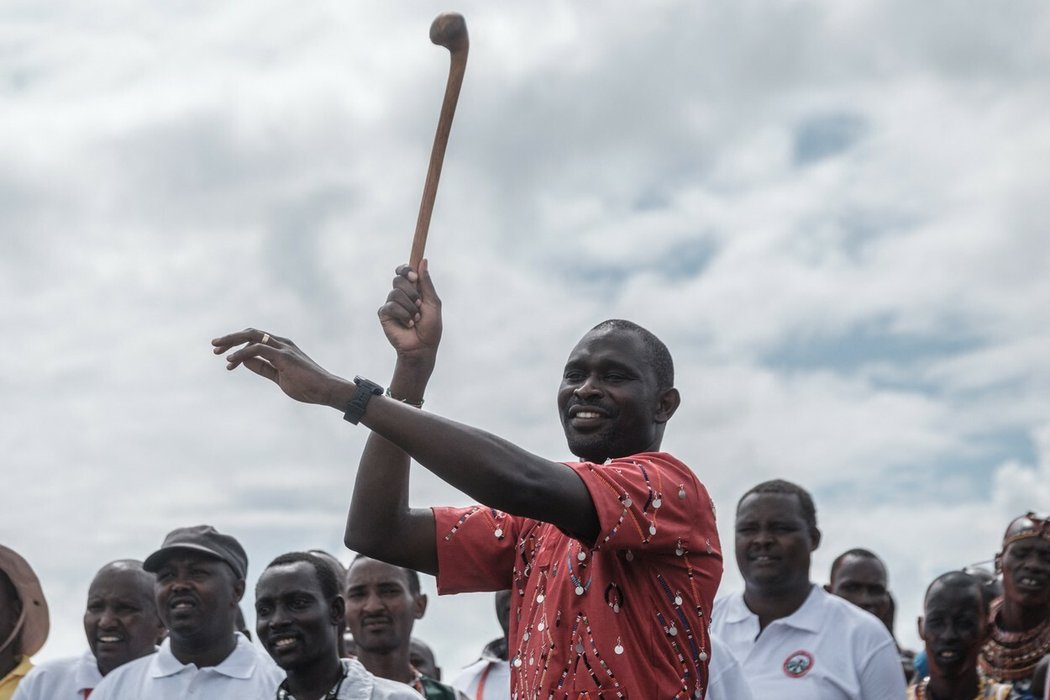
(411, 316)
(282, 362)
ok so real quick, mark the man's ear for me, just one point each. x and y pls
(814, 535)
(420, 605)
(238, 589)
(337, 610)
(920, 623)
(669, 402)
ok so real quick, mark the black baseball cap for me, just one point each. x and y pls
(203, 539)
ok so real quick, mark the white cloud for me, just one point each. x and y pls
(869, 322)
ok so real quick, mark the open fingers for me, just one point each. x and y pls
(267, 353)
(248, 335)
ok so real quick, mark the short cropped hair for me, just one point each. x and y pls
(960, 580)
(809, 511)
(326, 577)
(412, 575)
(658, 355)
(855, 552)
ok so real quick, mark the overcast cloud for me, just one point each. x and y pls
(833, 213)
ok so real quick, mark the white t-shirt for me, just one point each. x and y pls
(60, 679)
(828, 649)
(726, 680)
(246, 674)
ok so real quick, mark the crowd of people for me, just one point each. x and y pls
(604, 571)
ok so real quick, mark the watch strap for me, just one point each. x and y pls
(357, 405)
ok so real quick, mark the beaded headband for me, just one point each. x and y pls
(1027, 526)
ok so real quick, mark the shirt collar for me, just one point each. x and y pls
(239, 664)
(807, 617)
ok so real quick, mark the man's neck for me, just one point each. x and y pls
(963, 687)
(392, 665)
(314, 680)
(772, 605)
(1018, 618)
(203, 654)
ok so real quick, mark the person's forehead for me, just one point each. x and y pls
(421, 650)
(952, 599)
(778, 506)
(374, 572)
(1037, 543)
(862, 568)
(610, 344)
(287, 578)
(120, 583)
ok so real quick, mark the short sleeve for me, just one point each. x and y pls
(476, 549)
(882, 677)
(650, 501)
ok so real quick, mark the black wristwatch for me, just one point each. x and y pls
(365, 391)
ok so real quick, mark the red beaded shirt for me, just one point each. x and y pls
(623, 617)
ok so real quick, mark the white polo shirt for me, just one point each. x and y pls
(726, 680)
(828, 649)
(60, 679)
(246, 674)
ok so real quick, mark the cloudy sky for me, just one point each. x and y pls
(834, 213)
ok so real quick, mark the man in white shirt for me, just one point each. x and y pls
(121, 625)
(300, 616)
(792, 638)
(488, 678)
(200, 581)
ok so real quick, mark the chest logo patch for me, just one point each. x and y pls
(798, 664)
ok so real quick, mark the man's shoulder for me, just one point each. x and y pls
(66, 664)
(53, 676)
(131, 674)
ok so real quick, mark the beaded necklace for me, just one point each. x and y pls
(1013, 655)
(284, 694)
(922, 694)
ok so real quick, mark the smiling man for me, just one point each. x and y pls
(792, 638)
(1020, 631)
(121, 624)
(199, 583)
(614, 559)
(299, 614)
(953, 627)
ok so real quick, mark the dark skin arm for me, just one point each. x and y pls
(484, 466)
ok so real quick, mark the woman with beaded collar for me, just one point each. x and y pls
(1020, 619)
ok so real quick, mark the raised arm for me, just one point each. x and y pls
(379, 510)
(488, 468)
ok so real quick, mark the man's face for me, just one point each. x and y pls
(609, 400)
(120, 619)
(862, 581)
(773, 542)
(197, 597)
(294, 621)
(1026, 572)
(421, 657)
(380, 607)
(953, 629)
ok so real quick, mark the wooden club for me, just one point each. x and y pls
(448, 30)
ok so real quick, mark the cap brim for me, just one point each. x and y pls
(156, 560)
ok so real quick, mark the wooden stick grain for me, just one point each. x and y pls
(450, 31)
